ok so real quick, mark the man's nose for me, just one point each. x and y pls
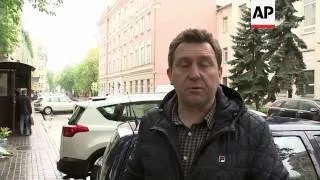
(194, 72)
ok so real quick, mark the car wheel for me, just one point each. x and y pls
(95, 171)
(47, 110)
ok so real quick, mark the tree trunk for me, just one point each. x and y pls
(290, 93)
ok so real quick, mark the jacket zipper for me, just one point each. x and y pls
(229, 128)
(173, 147)
(206, 142)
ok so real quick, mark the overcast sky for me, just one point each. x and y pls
(71, 33)
(68, 35)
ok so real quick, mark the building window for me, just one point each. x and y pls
(225, 81)
(124, 64)
(309, 15)
(131, 32)
(142, 55)
(225, 55)
(225, 24)
(119, 40)
(141, 25)
(136, 86)
(310, 81)
(137, 28)
(131, 59)
(112, 87)
(124, 39)
(141, 86)
(130, 86)
(148, 85)
(148, 53)
(4, 84)
(124, 87)
(136, 61)
(148, 21)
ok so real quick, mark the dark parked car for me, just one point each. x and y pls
(296, 108)
(297, 140)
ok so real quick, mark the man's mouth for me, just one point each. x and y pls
(195, 88)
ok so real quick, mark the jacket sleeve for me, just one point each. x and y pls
(134, 169)
(267, 164)
(29, 106)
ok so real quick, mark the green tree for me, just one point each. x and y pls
(10, 17)
(79, 78)
(67, 78)
(249, 69)
(28, 41)
(284, 52)
(88, 72)
(52, 81)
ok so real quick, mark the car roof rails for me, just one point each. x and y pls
(98, 98)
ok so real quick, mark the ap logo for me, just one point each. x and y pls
(262, 14)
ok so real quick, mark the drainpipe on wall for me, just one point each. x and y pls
(154, 46)
(156, 6)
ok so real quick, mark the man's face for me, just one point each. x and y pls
(195, 73)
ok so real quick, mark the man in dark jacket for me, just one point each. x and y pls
(24, 111)
(202, 130)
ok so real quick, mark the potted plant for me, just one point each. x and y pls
(4, 134)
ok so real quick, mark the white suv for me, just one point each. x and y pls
(92, 123)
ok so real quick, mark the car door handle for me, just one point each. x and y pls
(282, 110)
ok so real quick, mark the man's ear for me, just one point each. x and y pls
(169, 74)
(220, 72)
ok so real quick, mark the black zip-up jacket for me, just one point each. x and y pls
(240, 146)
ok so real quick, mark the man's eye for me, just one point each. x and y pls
(204, 64)
(183, 64)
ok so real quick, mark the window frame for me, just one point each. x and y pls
(309, 146)
(225, 24)
(127, 105)
(307, 102)
(315, 148)
(290, 100)
(313, 26)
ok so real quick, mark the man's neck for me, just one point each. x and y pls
(190, 115)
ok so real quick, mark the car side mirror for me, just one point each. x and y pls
(314, 110)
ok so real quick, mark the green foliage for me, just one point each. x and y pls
(80, 78)
(10, 25)
(46, 6)
(88, 71)
(28, 41)
(52, 81)
(67, 78)
(284, 52)
(10, 14)
(249, 69)
(5, 132)
(262, 53)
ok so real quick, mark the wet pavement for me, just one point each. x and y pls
(34, 157)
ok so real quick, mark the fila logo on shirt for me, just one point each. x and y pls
(222, 159)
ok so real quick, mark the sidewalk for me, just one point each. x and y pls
(34, 156)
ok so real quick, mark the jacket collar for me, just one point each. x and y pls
(229, 107)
